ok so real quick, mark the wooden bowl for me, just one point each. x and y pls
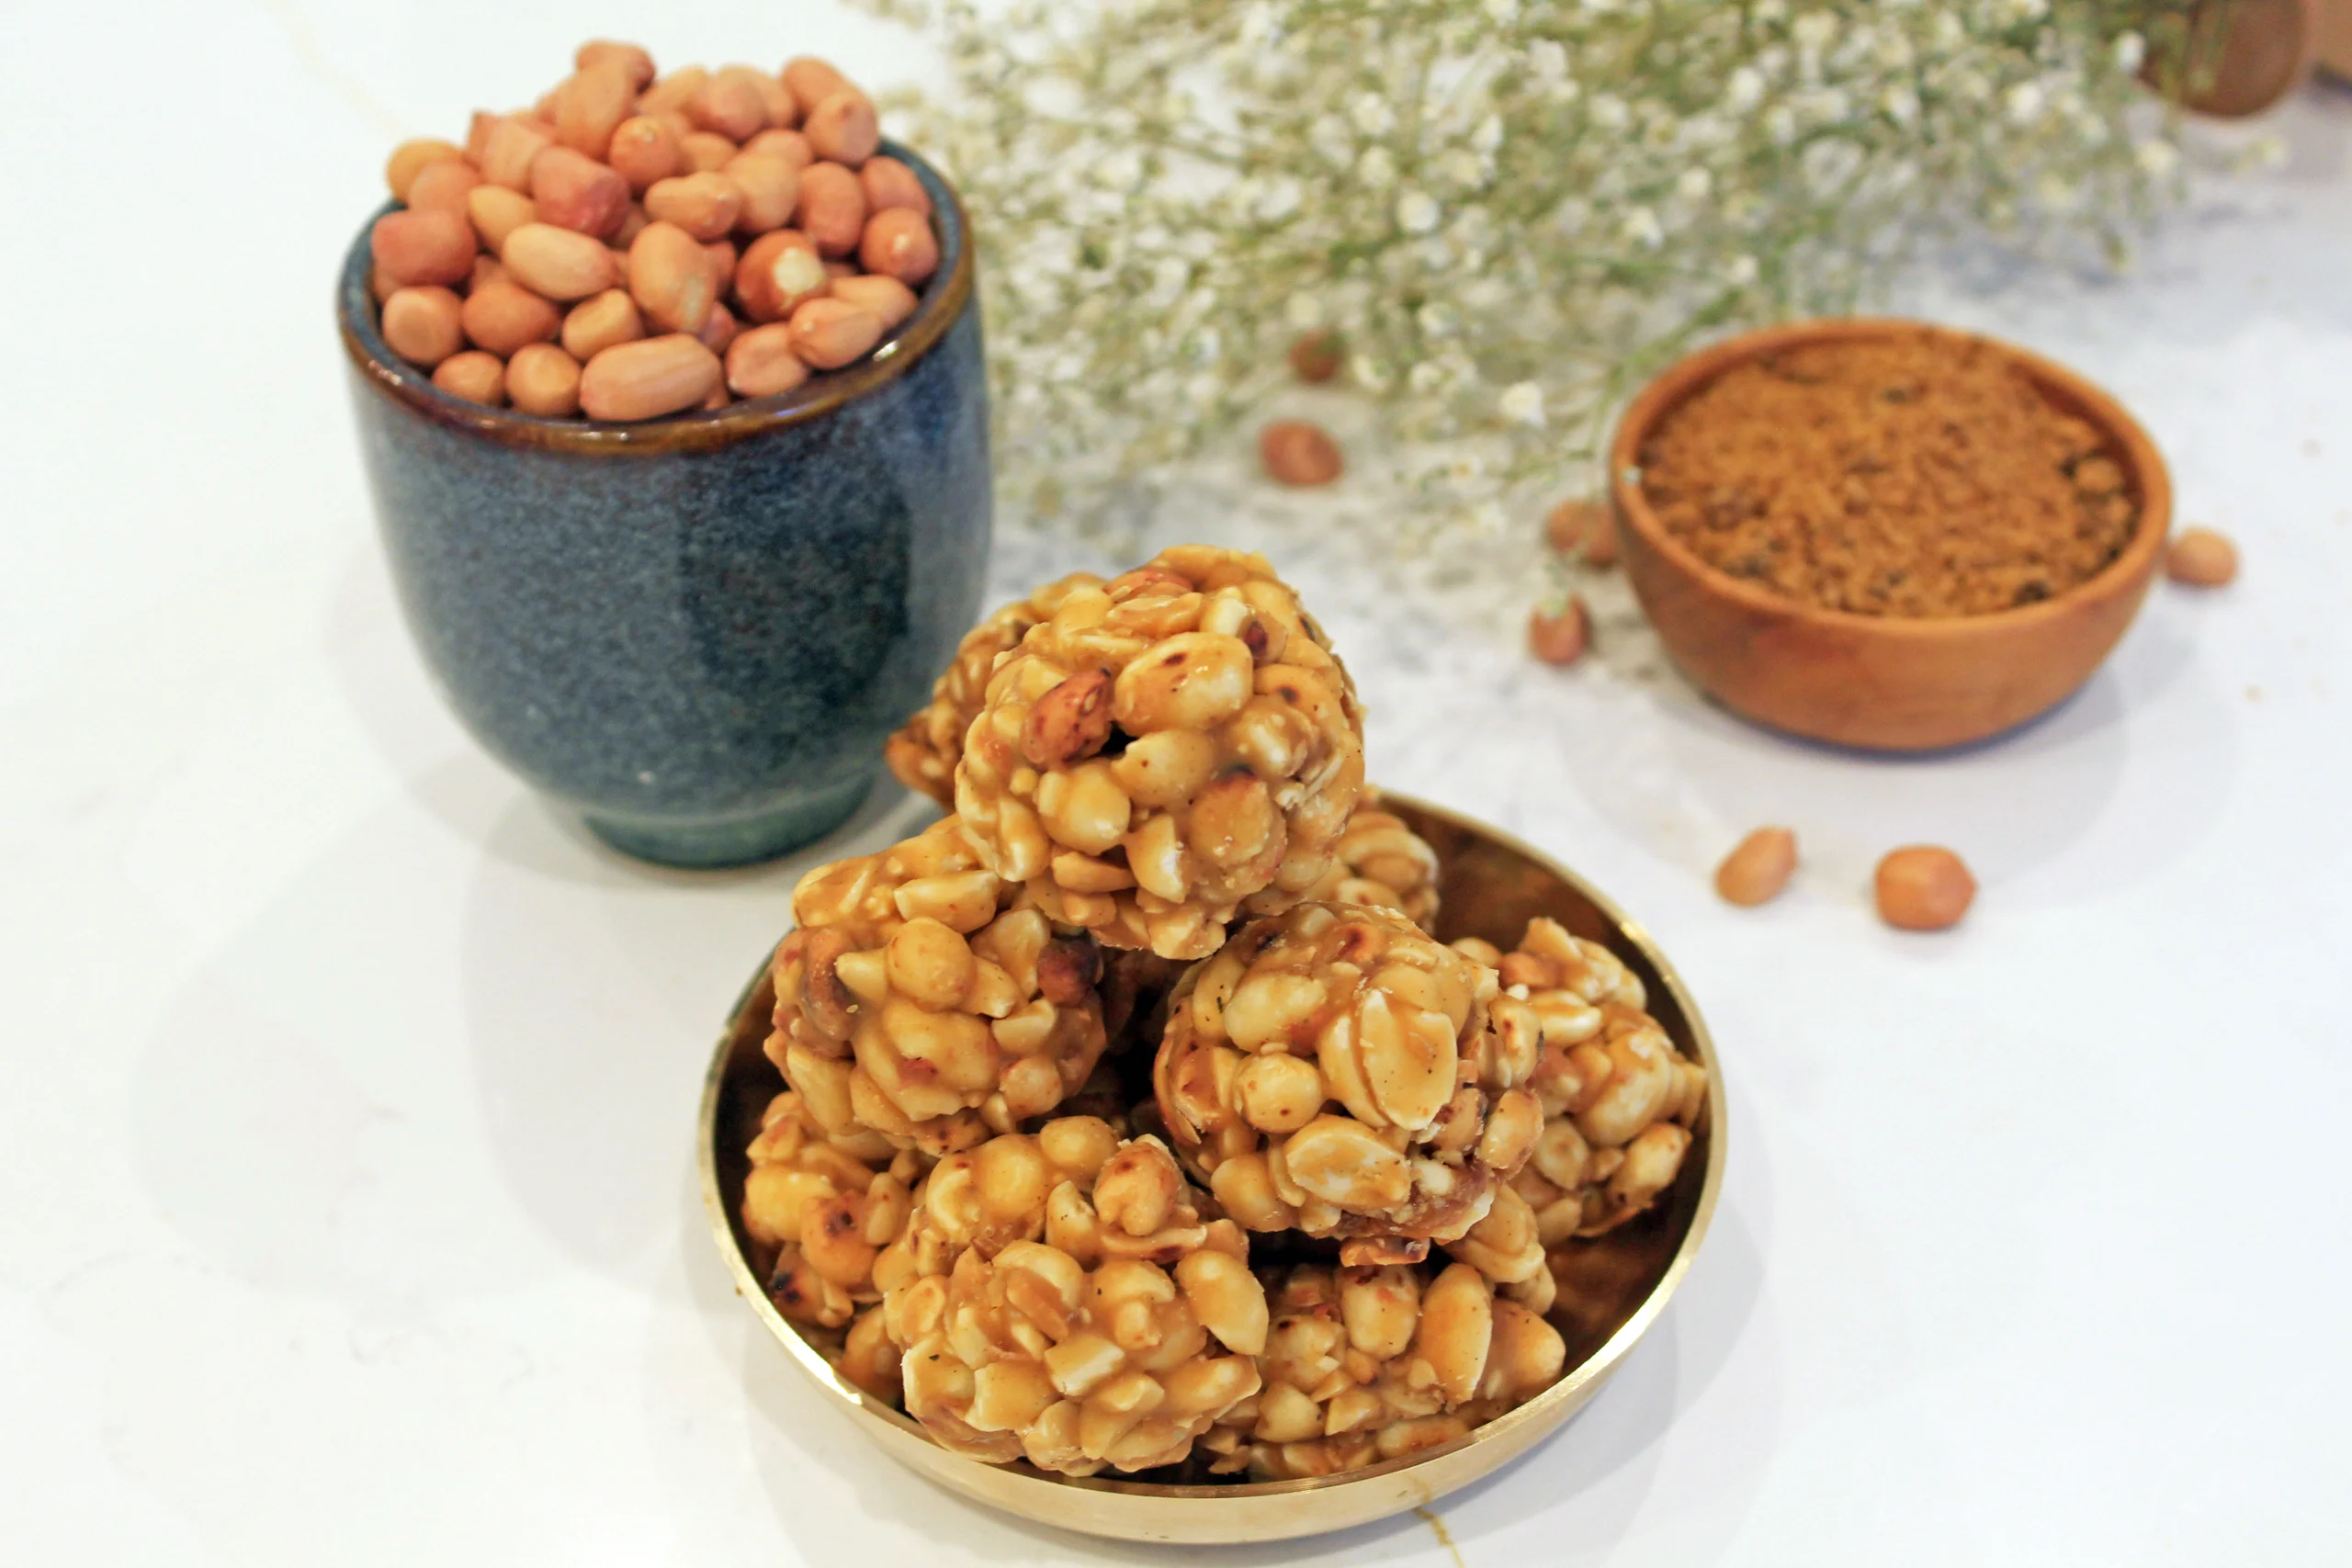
(1883, 682)
(1612, 1287)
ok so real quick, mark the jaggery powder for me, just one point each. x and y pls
(1915, 476)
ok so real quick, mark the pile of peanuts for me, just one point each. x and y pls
(635, 246)
(1135, 1119)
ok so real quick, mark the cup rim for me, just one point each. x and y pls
(1679, 381)
(939, 307)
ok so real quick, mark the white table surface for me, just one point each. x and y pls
(345, 1154)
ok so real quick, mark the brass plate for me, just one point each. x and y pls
(1620, 1284)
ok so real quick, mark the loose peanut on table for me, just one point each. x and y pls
(1758, 866)
(1560, 637)
(1315, 357)
(2202, 558)
(1923, 887)
(623, 203)
(1583, 527)
(1295, 452)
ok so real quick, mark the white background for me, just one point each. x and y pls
(346, 1209)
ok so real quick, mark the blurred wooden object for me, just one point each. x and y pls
(2265, 51)
(2335, 36)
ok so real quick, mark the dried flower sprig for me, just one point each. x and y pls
(1508, 212)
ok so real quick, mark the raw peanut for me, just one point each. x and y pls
(788, 145)
(721, 255)
(478, 132)
(888, 183)
(443, 187)
(381, 284)
(706, 151)
(898, 243)
(422, 247)
(644, 149)
(597, 323)
(633, 222)
(544, 108)
(777, 271)
(1755, 871)
(1297, 453)
(887, 298)
(1315, 357)
(719, 331)
(730, 104)
(1923, 887)
(496, 212)
(760, 364)
(842, 128)
(562, 263)
(704, 205)
(514, 144)
(486, 268)
(2201, 558)
(543, 380)
(410, 158)
(474, 376)
(589, 104)
(672, 92)
(669, 276)
(837, 270)
(1582, 525)
(423, 325)
(572, 190)
(635, 62)
(811, 80)
(833, 209)
(783, 108)
(770, 188)
(1561, 639)
(646, 379)
(830, 334)
(719, 397)
(502, 315)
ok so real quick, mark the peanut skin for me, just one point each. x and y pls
(1923, 887)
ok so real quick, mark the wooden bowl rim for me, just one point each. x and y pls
(1679, 381)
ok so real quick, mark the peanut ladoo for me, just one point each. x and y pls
(1331, 1071)
(1163, 749)
(913, 1002)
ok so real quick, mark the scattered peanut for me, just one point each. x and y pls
(703, 206)
(1315, 357)
(1295, 452)
(1758, 867)
(1561, 636)
(2202, 558)
(1583, 527)
(1923, 887)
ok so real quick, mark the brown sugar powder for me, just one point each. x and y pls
(1917, 476)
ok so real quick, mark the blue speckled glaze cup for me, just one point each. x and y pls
(695, 632)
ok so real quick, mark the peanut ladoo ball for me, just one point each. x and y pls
(924, 754)
(1331, 1071)
(1620, 1102)
(1368, 1364)
(1063, 1299)
(827, 1206)
(1163, 750)
(913, 1002)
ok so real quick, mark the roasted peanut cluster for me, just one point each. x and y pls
(1063, 1298)
(912, 1002)
(1366, 1364)
(827, 1205)
(1333, 1071)
(1163, 749)
(924, 754)
(1380, 860)
(1620, 1102)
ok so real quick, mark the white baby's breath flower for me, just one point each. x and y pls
(1368, 373)
(1547, 59)
(1744, 90)
(1523, 404)
(1416, 212)
(1609, 112)
(1693, 184)
(1371, 114)
(2057, 193)
(1901, 104)
(2157, 158)
(1641, 227)
(1331, 138)
(2023, 103)
(1304, 312)
(1376, 170)
(1502, 13)
(1437, 318)
(1740, 271)
(1814, 30)
(1425, 377)
(1488, 136)
(2128, 51)
(1780, 124)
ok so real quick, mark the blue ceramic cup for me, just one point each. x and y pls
(695, 632)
